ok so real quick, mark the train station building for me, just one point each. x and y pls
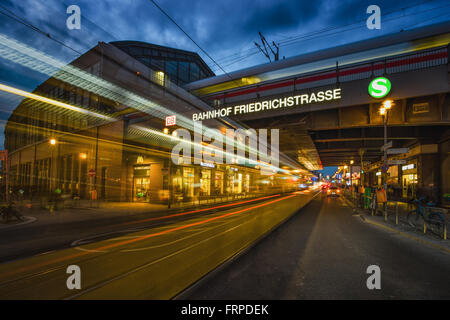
(115, 140)
(110, 141)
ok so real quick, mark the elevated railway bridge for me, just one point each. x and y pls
(320, 129)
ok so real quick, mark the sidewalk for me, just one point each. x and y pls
(14, 222)
(397, 217)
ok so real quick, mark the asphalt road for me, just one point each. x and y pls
(323, 252)
(147, 262)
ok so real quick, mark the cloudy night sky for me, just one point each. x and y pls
(225, 29)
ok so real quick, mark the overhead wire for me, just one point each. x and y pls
(15, 17)
(306, 36)
(190, 38)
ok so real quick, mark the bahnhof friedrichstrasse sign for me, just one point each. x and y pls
(265, 105)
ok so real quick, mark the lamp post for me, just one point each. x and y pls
(345, 176)
(351, 177)
(361, 154)
(52, 143)
(384, 112)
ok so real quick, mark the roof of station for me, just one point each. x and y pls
(366, 50)
(163, 51)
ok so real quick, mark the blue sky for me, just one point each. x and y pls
(225, 29)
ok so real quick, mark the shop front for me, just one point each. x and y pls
(205, 182)
(183, 183)
(234, 181)
(409, 180)
(247, 183)
(141, 183)
(218, 182)
(394, 189)
(379, 178)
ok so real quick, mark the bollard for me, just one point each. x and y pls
(372, 206)
(445, 230)
(424, 227)
(396, 212)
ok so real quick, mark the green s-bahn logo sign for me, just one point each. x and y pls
(379, 87)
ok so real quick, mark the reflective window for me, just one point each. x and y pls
(157, 64)
(135, 51)
(183, 72)
(145, 60)
(194, 72)
(171, 70)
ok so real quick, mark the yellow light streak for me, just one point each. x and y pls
(33, 96)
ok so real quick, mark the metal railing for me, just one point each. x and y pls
(431, 219)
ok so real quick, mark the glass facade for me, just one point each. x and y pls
(180, 66)
(71, 153)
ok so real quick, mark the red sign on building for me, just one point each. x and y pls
(171, 121)
(3, 155)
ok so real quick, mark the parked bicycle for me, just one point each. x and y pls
(9, 212)
(425, 212)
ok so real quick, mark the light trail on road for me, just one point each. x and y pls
(199, 210)
(70, 257)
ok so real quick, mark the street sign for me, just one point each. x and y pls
(397, 150)
(91, 173)
(396, 162)
(379, 87)
(386, 146)
(171, 121)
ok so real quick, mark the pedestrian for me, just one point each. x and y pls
(361, 191)
(381, 198)
(11, 210)
(373, 203)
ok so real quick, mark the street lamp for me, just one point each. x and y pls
(361, 154)
(387, 104)
(344, 175)
(52, 143)
(351, 178)
(384, 112)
